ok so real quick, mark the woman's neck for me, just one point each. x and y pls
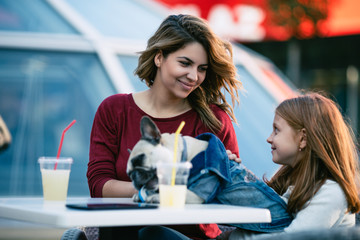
(160, 105)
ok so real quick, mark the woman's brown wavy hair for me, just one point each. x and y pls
(174, 33)
(330, 152)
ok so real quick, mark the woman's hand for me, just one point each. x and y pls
(233, 156)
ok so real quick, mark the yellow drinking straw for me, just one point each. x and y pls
(175, 151)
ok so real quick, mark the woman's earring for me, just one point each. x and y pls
(300, 149)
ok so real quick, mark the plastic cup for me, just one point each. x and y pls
(173, 193)
(55, 181)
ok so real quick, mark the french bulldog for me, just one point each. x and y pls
(213, 176)
(152, 148)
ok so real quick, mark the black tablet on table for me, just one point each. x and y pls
(110, 206)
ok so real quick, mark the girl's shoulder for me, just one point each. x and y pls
(331, 188)
(331, 193)
(326, 209)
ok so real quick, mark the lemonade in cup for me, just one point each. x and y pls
(173, 193)
(55, 174)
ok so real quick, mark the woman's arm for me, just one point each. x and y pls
(227, 134)
(116, 188)
(104, 152)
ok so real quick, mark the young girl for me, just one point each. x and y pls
(319, 159)
(317, 180)
(186, 67)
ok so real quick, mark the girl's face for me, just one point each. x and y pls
(182, 71)
(285, 142)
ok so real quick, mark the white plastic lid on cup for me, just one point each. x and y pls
(54, 159)
(50, 162)
(165, 172)
(171, 164)
(180, 166)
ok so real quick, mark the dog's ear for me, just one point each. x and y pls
(149, 131)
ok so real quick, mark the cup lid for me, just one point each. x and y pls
(54, 159)
(173, 164)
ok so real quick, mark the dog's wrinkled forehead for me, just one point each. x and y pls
(143, 147)
(153, 153)
(151, 148)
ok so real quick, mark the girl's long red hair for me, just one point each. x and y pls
(330, 152)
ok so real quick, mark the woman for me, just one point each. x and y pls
(186, 67)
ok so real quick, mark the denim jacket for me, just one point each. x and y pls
(217, 179)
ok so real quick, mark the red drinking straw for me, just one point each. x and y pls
(62, 139)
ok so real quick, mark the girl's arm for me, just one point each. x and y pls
(326, 209)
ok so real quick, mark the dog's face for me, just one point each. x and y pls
(154, 147)
(151, 149)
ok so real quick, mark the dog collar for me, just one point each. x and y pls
(142, 194)
(184, 151)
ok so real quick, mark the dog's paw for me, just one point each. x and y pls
(154, 198)
(136, 198)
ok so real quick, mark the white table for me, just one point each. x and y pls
(34, 210)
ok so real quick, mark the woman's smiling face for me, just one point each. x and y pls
(182, 71)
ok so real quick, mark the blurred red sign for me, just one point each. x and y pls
(249, 20)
